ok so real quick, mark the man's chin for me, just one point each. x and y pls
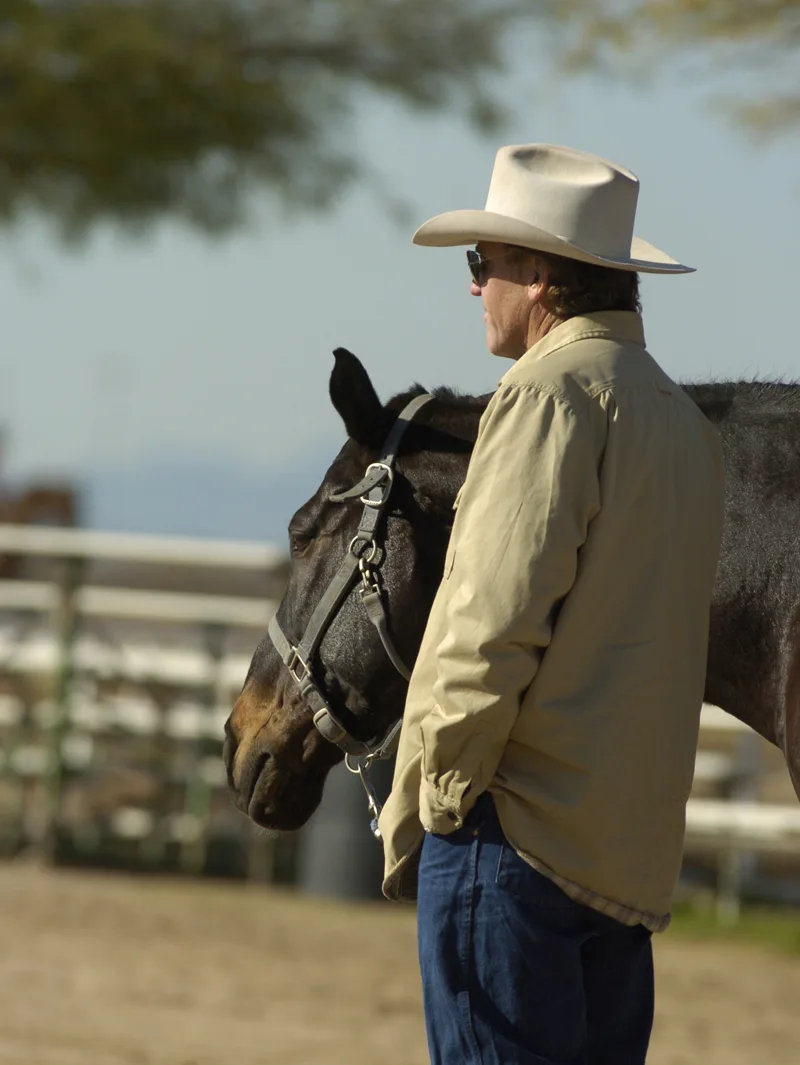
(492, 341)
(497, 348)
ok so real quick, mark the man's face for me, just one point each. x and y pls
(505, 292)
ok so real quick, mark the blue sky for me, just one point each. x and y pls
(176, 348)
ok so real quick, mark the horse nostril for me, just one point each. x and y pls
(249, 788)
(228, 753)
(258, 767)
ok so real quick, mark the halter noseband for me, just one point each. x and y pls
(362, 557)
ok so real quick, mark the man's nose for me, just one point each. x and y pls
(474, 289)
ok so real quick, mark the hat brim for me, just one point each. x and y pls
(468, 227)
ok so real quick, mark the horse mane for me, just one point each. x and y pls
(451, 397)
(720, 400)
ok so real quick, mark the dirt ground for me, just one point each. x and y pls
(109, 970)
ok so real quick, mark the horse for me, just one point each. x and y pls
(296, 718)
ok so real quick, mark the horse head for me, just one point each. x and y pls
(276, 759)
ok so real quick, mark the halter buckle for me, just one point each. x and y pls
(389, 471)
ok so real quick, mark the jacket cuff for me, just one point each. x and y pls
(441, 813)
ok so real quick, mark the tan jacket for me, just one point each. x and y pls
(563, 663)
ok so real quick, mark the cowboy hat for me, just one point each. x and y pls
(556, 200)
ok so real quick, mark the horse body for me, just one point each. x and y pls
(754, 642)
(277, 761)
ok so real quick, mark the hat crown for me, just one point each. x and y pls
(578, 197)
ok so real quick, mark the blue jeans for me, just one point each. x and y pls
(514, 972)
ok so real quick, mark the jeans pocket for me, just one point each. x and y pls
(520, 878)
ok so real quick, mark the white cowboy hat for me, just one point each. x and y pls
(556, 200)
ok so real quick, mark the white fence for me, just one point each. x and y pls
(734, 825)
(168, 692)
(73, 721)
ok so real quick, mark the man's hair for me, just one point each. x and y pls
(575, 287)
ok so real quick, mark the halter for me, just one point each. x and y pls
(363, 557)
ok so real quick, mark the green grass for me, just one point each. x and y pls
(775, 927)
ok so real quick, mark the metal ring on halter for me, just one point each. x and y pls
(365, 764)
(365, 558)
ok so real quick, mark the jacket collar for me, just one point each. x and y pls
(621, 326)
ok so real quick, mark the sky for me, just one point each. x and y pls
(178, 350)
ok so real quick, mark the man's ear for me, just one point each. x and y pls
(537, 286)
(535, 277)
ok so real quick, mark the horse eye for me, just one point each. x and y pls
(299, 542)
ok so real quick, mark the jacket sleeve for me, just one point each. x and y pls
(531, 490)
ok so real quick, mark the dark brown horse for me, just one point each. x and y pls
(276, 758)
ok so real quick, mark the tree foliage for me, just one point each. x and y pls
(756, 40)
(135, 109)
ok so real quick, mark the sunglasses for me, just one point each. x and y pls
(479, 267)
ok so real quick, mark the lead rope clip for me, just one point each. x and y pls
(361, 769)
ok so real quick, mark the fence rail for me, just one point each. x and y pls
(182, 693)
(65, 732)
(135, 604)
(127, 547)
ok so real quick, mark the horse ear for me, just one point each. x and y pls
(354, 397)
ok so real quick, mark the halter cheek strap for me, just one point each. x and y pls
(373, 491)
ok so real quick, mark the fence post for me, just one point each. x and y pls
(735, 867)
(198, 788)
(66, 624)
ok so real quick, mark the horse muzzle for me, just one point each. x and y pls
(275, 774)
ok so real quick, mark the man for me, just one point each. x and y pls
(547, 752)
